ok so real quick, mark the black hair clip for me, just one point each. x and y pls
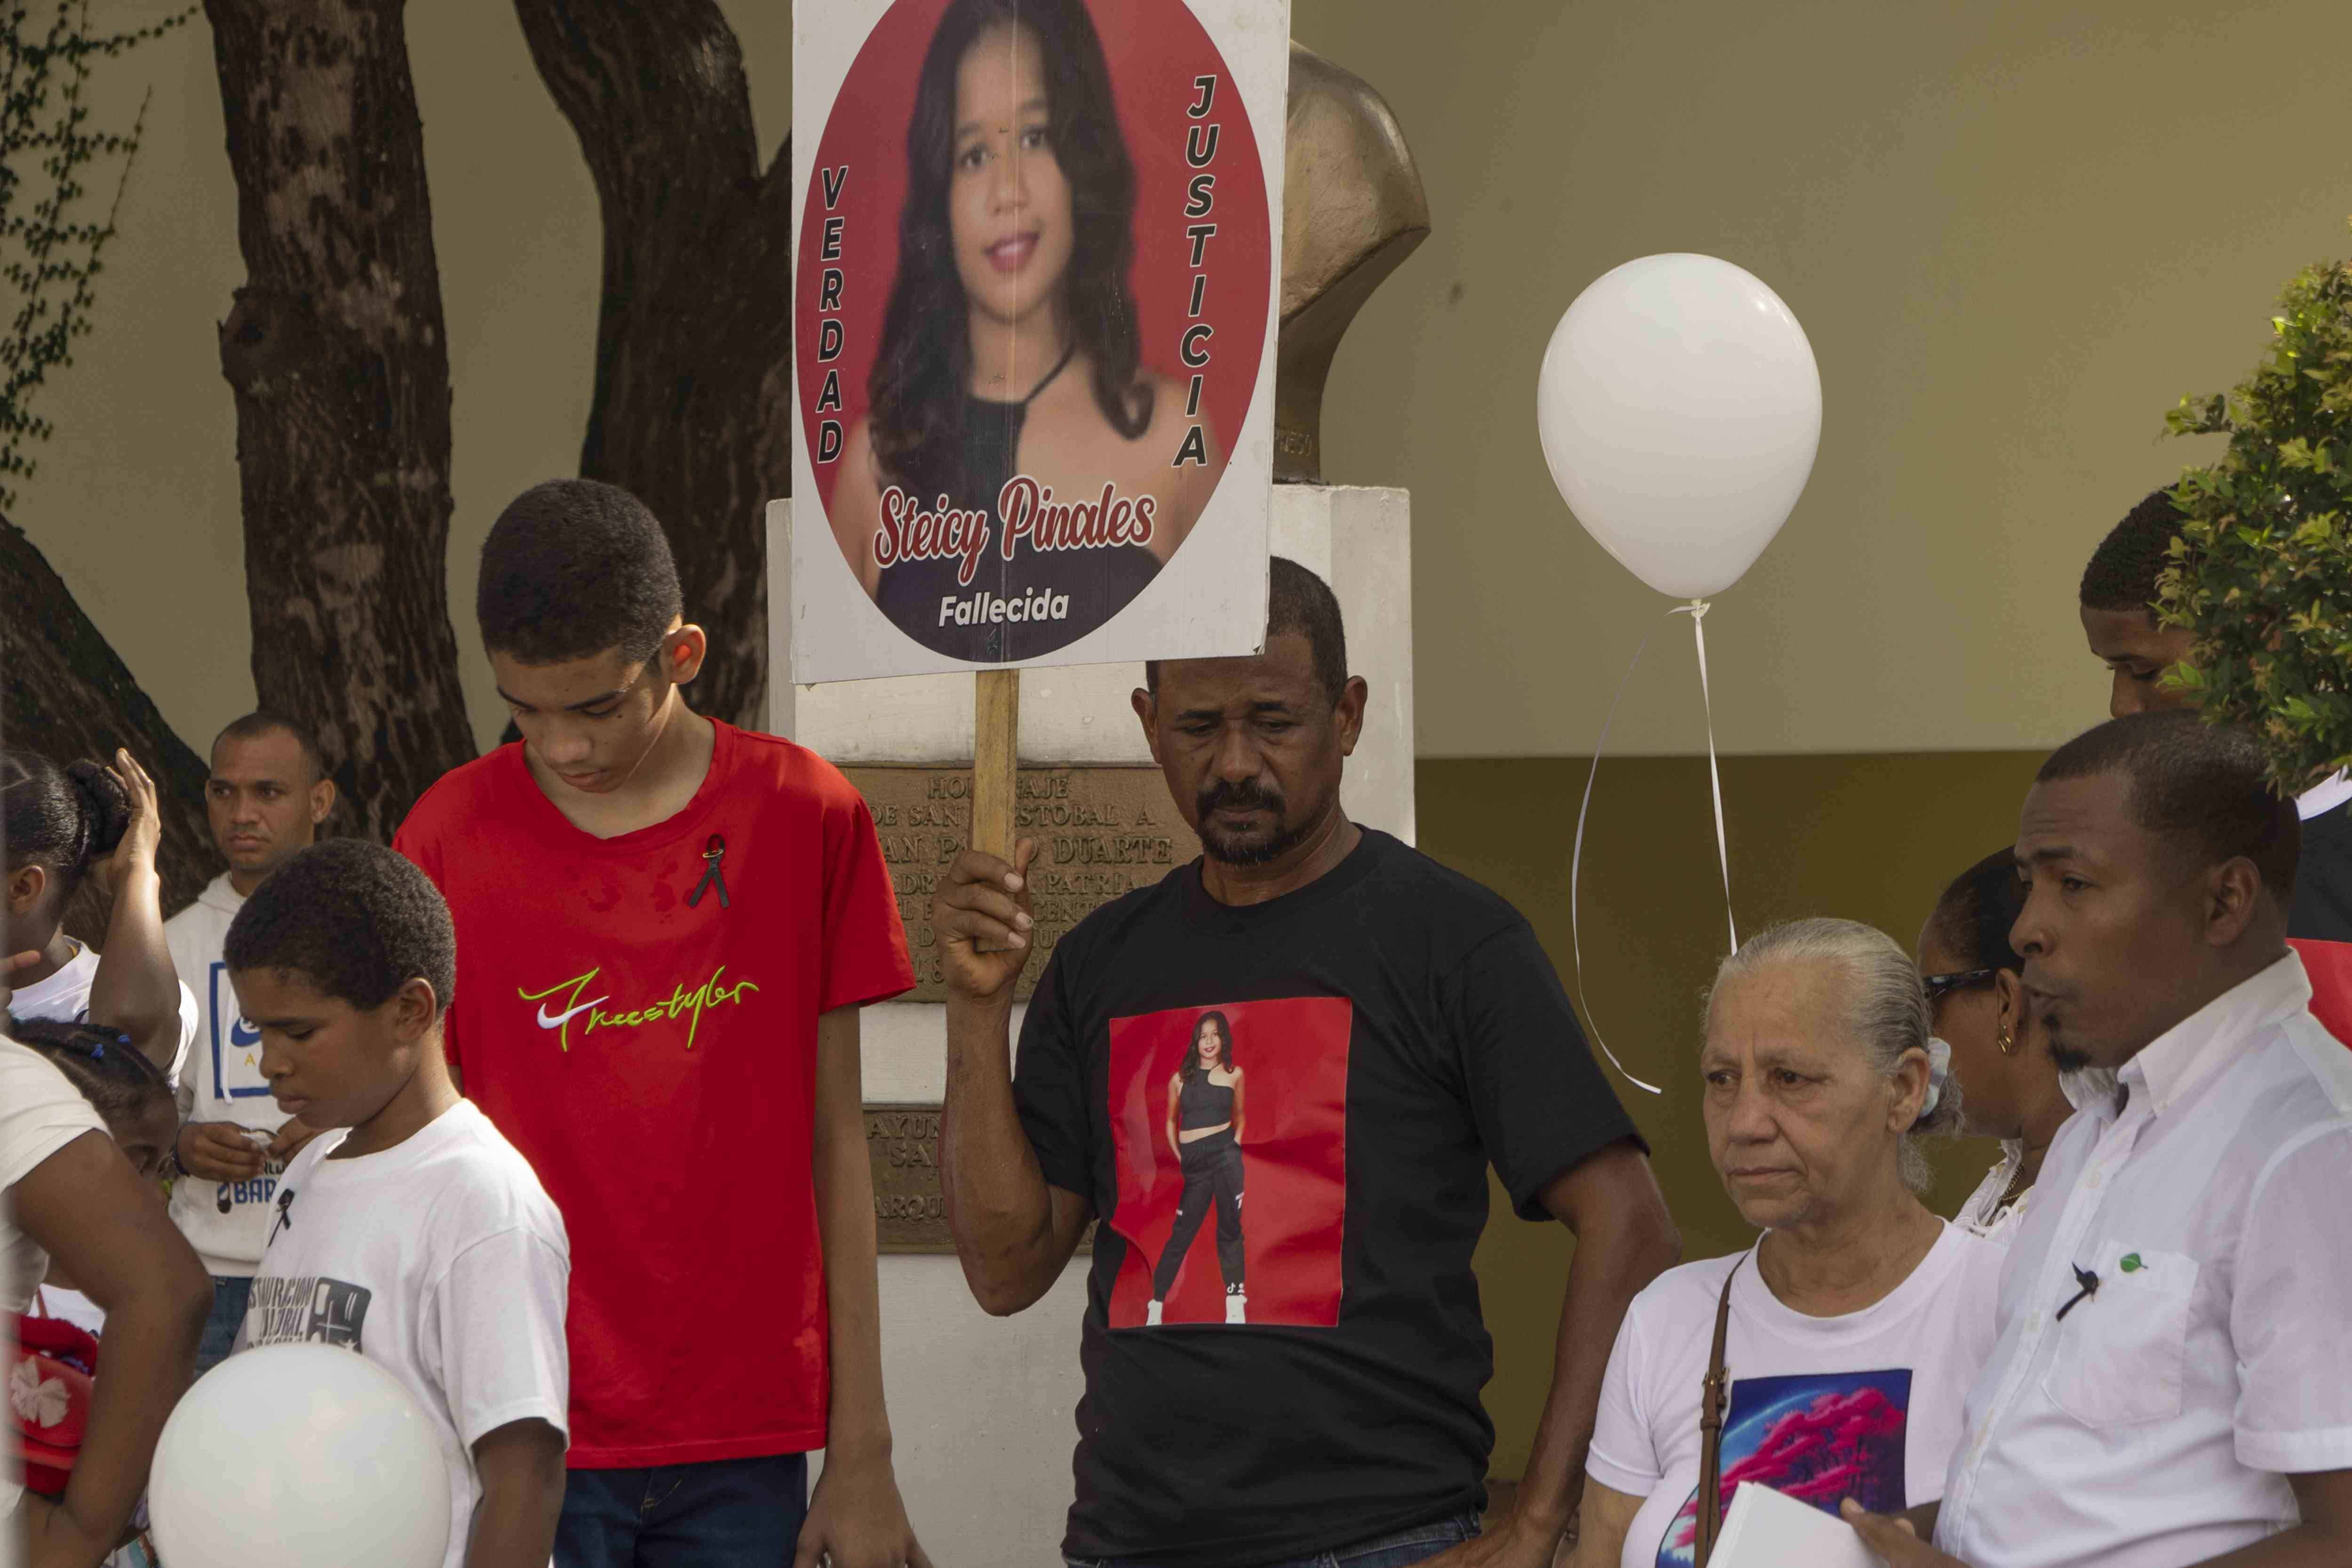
(714, 856)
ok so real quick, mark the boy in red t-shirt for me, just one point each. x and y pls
(666, 928)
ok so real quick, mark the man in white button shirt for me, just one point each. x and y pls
(2172, 1384)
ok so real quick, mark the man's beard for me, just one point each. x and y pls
(1227, 850)
(2067, 1060)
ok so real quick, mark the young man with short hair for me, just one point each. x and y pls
(2118, 608)
(666, 927)
(1327, 1039)
(411, 1234)
(2119, 594)
(265, 797)
(2171, 1384)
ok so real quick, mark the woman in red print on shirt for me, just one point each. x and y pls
(1204, 1133)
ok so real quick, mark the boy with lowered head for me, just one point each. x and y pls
(666, 926)
(410, 1233)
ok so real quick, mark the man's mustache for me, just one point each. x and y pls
(1246, 795)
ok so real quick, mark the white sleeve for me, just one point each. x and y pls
(190, 1022)
(40, 1112)
(502, 1350)
(1623, 1457)
(2286, 1309)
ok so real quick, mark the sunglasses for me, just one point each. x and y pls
(1939, 986)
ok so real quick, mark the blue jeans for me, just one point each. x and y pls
(230, 1295)
(728, 1513)
(1419, 1544)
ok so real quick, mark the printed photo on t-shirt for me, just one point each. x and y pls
(1229, 1126)
(1819, 1437)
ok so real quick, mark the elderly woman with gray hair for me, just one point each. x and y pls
(1830, 1359)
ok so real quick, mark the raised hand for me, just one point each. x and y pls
(137, 851)
(981, 916)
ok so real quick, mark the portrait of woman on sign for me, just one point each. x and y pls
(1047, 382)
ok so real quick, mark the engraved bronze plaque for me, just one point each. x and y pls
(1100, 832)
(903, 1143)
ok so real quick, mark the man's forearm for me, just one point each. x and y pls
(1617, 1253)
(999, 1208)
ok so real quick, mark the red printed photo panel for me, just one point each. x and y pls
(1229, 1123)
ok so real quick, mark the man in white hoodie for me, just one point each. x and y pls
(267, 795)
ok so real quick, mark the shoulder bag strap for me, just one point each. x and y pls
(1710, 1428)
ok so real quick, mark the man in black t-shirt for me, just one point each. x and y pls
(1278, 1078)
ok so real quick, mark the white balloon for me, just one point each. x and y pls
(299, 1456)
(1680, 409)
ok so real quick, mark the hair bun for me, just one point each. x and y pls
(105, 807)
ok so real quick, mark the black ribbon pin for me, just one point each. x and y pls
(714, 858)
(2090, 1287)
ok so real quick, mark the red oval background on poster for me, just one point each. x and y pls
(1155, 49)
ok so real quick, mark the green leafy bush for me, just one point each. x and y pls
(2263, 571)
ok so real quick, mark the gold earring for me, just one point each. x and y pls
(2008, 1042)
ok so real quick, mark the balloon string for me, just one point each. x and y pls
(1698, 608)
(1576, 866)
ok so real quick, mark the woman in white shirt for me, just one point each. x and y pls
(1854, 1326)
(1999, 1054)
(66, 1190)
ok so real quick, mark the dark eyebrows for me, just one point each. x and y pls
(284, 1024)
(1029, 105)
(1257, 710)
(614, 696)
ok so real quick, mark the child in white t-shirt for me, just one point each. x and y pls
(412, 1233)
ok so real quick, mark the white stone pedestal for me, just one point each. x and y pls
(983, 1409)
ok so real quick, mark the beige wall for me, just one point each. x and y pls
(2016, 231)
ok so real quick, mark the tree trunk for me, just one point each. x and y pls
(337, 354)
(68, 696)
(694, 341)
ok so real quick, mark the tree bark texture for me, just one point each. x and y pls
(694, 341)
(337, 354)
(68, 696)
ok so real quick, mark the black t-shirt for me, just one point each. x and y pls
(1394, 1027)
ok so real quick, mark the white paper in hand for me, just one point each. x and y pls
(1763, 1529)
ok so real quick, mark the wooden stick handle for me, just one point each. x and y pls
(995, 759)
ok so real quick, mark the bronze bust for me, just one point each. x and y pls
(1353, 207)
